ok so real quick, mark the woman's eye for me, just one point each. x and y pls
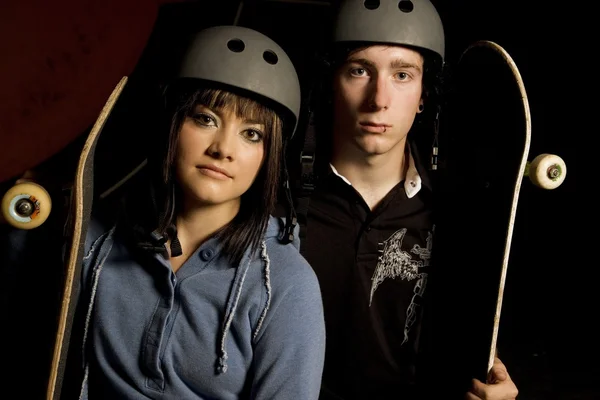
(204, 119)
(402, 76)
(252, 135)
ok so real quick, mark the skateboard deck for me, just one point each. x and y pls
(43, 214)
(56, 75)
(521, 130)
(485, 136)
(81, 205)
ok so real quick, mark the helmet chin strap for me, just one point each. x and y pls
(291, 219)
(434, 146)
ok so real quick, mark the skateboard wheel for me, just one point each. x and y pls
(26, 205)
(547, 171)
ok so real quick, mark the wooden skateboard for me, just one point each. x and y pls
(81, 205)
(56, 78)
(42, 214)
(485, 137)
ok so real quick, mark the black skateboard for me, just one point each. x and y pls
(485, 135)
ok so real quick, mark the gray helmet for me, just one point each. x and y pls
(248, 60)
(413, 23)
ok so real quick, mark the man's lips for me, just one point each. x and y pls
(374, 127)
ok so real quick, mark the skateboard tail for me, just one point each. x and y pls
(80, 214)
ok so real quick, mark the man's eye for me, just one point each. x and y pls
(403, 76)
(358, 71)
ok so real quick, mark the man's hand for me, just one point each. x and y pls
(498, 387)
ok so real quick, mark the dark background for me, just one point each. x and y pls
(545, 336)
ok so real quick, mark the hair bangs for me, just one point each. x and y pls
(242, 107)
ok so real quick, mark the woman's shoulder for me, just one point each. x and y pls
(286, 263)
(292, 288)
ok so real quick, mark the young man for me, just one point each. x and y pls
(366, 223)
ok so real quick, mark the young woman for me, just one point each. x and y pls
(192, 295)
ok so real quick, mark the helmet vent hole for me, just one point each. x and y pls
(406, 6)
(270, 57)
(371, 4)
(236, 45)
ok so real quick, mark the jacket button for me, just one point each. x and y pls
(206, 254)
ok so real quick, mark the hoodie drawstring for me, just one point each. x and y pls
(222, 361)
(240, 276)
(265, 257)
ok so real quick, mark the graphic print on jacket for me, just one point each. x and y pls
(397, 263)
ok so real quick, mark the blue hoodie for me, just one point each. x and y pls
(210, 331)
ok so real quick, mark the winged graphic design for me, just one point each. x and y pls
(394, 262)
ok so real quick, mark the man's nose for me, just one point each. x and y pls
(379, 96)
